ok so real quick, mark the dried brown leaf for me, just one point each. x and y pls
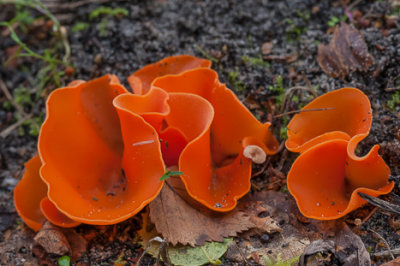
(181, 220)
(266, 48)
(346, 247)
(347, 51)
(52, 239)
(395, 262)
(288, 245)
(77, 243)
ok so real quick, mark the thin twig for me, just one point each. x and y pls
(281, 146)
(369, 215)
(308, 82)
(384, 241)
(56, 5)
(9, 97)
(263, 168)
(291, 90)
(353, 4)
(395, 251)
(11, 128)
(303, 111)
(163, 244)
(383, 204)
(241, 253)
(282, 160)
(19, 109)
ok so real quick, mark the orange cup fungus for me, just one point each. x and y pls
(103, 150)
(327, 176)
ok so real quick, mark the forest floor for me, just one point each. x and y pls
(260, 49)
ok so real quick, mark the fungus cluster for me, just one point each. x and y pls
(327, 176)
(102, 150)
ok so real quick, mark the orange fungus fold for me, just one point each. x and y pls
(327, 176)
(343, 114)
(28, 194)
(103, 150)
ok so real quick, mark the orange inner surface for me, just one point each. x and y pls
(94, 175)
(348, 113)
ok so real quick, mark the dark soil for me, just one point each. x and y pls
(230, 32)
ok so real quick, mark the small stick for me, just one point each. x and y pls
(19, 109)
(384, 241)
(385, 253)
(9, 97)
(56, 5)
(163, 245)
(369, 215)
(307, 81)
(8, 130)
(241, 253)
(383, 204)
(263, 168)
(303, 111)
(289, 91)
(281, 146)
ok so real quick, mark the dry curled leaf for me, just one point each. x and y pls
(347, 51)
(52, 239)
(60, 241)
(181, 220)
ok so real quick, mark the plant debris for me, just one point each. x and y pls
(52, 239)
(181, 220)
(347, 51)
(209, 252)
(345, 249)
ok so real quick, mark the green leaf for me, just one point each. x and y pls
(168, 174)
(64, 261)
(334, 20)
(210, 252)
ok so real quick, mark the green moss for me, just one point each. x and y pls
(206, 55)
(108, 11)
(255, 61)
(80, 26)
(233, 78)
(278, 89)
(394, 102)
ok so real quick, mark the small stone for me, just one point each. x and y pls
(265, 238)
(98, 59)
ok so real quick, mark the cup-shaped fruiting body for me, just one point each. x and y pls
(339, 114)
(94, 173)
(141, 80)
(103, 150)
(325, 179)
(232, 120)
(28, 194)
(327, 176)
(233, 128)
